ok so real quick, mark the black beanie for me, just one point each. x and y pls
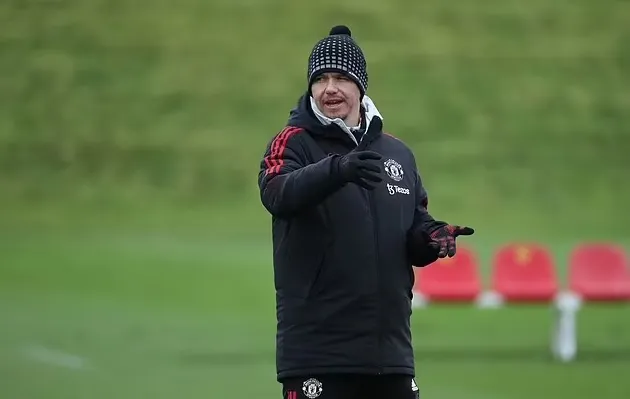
(338, 52)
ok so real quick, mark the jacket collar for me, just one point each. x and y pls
(368, 112)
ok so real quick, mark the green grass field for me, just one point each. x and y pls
(135, 257)
(96, 314)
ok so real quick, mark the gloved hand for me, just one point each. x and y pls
(360, 167)
(445, 236)
(422, 250)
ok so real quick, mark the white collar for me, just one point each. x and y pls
(370, 112)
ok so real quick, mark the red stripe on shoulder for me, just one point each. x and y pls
(275, 159)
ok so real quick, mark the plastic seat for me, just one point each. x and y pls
(450, 279)
(599, 272)
(524, 273)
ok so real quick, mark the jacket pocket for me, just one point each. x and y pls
(315, 284)
(300, 260)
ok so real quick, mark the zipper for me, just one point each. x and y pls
(366, 139)
(378, 282)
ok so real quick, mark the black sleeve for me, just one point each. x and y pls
(421, 218)
(288, 182)
(423, 224)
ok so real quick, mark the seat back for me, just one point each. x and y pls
(599, 271)
(524, 272)
(450, 279)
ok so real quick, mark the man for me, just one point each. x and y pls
(350, 220)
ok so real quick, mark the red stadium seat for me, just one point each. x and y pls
(450, 279)
(599, 272)
(524, 273)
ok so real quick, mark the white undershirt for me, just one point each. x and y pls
(370, 112)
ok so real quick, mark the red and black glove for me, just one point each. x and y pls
(445, 236)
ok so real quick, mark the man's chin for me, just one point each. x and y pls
(335, 115)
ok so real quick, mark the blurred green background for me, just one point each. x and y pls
(135, 257)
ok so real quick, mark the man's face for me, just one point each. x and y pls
(337, 96)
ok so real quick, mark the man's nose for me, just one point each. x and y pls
(331, 87)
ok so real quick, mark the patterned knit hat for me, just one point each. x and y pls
(338, 52)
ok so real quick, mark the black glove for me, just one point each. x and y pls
(445, 236)
(422, 250)
(360, 167)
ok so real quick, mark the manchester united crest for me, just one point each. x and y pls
(394, 170)
(312, 388)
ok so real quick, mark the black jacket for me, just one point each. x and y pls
(342, 255)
